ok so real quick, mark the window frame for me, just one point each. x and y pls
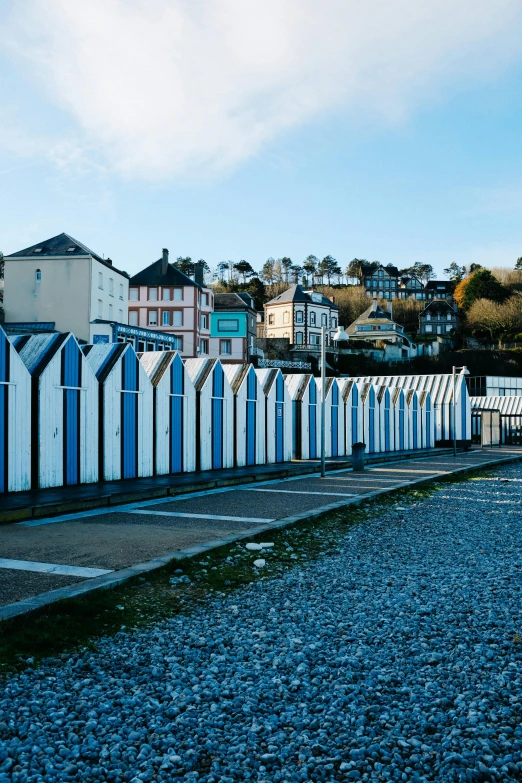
(222, 342)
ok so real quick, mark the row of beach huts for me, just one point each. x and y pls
(72, 414)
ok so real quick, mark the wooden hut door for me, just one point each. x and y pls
(218, 416)
(251, 417)
(71, 380)
(312, 419)
(335, 420)
(279, 418)
(176, 415)
(4, 412)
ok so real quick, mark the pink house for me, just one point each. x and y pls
(163, 298)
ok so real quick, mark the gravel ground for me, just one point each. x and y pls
(394, 658)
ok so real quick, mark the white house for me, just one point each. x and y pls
(60, 280)
(298, 315)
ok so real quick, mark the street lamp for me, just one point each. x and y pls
(323, 395)
(462, 371)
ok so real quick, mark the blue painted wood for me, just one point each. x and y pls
(217, 416)
(401, 421)
(129, 416)
(355, 408)
(177, 386)
(335, 420)
(312, 412)
(371, 420)
(4, 412)
(251, 418)
(387, 439)
(280, 413)
(70, 376)
(415, 417)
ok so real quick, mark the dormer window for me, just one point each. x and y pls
(38, 250)
(38, 276)
(71, 249)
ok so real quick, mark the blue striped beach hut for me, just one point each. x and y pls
(15, 421)
(214, 414)
(249, 414)
(126, 400)
(174, 412)
(306, 418)
(334, 419)
(386, 419)
(278, 416)
(400, 415)
(414, 420)
(427, 421)
(64, 410)
(353, 410)
(371, 417)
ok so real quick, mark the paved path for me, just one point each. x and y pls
(103, 546)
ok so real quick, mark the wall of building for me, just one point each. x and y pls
(287, 326)
(109, 294)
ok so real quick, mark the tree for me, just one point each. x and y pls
(479, 285)
(498, 319)
(310, 267)
(455, 272)
(243, 268)
(424, 272)
(327, 267)
(518, 265)
(295, 273)
(185, 265)
(222, 267)
(268, 271)
(286, 265)
(354, 269)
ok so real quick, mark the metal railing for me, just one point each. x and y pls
(279, 363)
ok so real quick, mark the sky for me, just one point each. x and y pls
(222, 129)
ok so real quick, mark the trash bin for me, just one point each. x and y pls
(358, 451)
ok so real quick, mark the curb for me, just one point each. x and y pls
(109, 581)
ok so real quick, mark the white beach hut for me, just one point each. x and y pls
(427, 421)
(371, 418)
(306, 419)
(335, 438)
(64, 416)
(174, 412)
(353, 413)
(15, 420)
(249, 414)
(126, 415)
(386, 419)
(214, 414)
(400, 420)
(278, 416)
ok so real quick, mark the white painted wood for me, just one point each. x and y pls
(269, 379)
(209, 438)
(16, 441)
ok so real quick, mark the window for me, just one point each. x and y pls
(178, 294)
(204, 300)
(38, 276)
(386, 283)
(203, 321)
(100, 308)
(141, 346)
(448, 317)
(38, 250)
(133, 294)
(312, 318)
(448, 327)
(120, 316)
(334, 323)
(153, 317)
(133, 320)
(299, 338)
(381, 273)
(100, 280)
(286, 317)
(71, 249)
(153, 294)
(228, 325)
(324, 319)
(374, 283)
(429, 328)
(165, 294)
(365, 328)
(428, 316)
(177, 344)
(110, 312)
(121, 290)
(299, 317)
(203, 346)
(315, 339)
(165, 318)
(225, 347)
(111, 286)
(271, 318)
(178, 318)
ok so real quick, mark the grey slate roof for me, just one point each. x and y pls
(151, 276)
(59, 246)
(230, 302)
(296, 293)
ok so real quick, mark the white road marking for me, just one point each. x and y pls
(298, 492)
(53, 568)
(199, 516)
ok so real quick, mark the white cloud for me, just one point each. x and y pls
(163, 88)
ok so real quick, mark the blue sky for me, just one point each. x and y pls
(286, 136)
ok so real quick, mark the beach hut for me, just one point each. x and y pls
(427, 421)
(278, 416)
(353, 419)
(386, 421)
(334, 419)
(174, 412)
(15, 420)
(306, 418)
(370, 413)
(64, 410)
(126, 399)
(249, 414)
(440, 388)
(400, 420)
(510, 409)
(214, 414)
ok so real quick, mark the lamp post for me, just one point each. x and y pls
(323, 403)
(462, 371)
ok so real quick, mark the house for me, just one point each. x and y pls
(299, 315)
(164, 299)
(440, 289)
(61, 280)
(233, 328)
(376, 324)
(381, 281)
(439, 317)
(411, 288)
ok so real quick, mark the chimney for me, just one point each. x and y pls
(374, 305)
(109, 261)
(390, 309)
(164, 261)
(198, 273)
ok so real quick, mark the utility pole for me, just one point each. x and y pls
(323, 400)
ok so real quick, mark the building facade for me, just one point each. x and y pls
(411, 288)
(381, 281)
(60, 280)
(440, 289)
(233, 328)
(376, 324)
(439, 317)
(164, 299)
(299, 315)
